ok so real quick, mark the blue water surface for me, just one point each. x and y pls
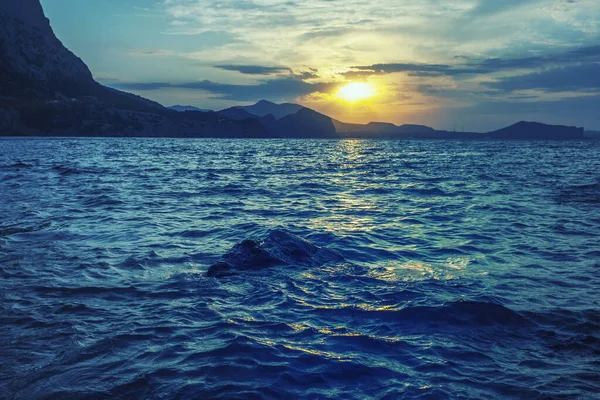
(472, 269)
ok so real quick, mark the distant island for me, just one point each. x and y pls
(592, 135)
(45, 90)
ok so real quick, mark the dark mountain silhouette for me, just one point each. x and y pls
(236, 114)
(270, 124)
(47, 90)
(378, 129)
(592, 134)
(536, 130)
(35, 64)
(415, 128)
(306, 123)
(265, 107)
(188, 108)
(302, 122)
(521, 130)
(33, 57)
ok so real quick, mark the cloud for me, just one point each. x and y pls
(326, 33)
(491, 7)
(336, 34)
(416, 69)
(499, 64)
(441, 53)
(151, 52)
(585, 77)
(584, 54)
(139, 86)
(477, 66)
(310, 74)
(299, 31)
(253, 69)
(276, 89)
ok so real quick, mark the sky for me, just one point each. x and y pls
(478, 65)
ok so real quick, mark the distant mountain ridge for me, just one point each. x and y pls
(536, 130)
(236, 114)
(181, 108)
(307, 123)
(592, 134)
(295, 121)
(47, 90)
(265, 107)
(379, 128)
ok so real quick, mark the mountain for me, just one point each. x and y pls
(378, 129)
(264, 107)
(236, 113)
(522, 130)
(188, 108)
(303, 123)
(36, 66)
(306, 123)
(47, 90)
(536, 131)
(411, 128)
(45, 65)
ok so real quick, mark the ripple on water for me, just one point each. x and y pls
(470, 269)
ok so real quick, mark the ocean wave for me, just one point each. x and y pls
(586, 193)
(447, 269)
(17, 165)
(13, 229)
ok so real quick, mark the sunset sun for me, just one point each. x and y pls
(356, 91)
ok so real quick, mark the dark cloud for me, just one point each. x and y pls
(151, 52)
(283, 88)
(325, 33)
(491, 7)
(585, 77)
(414, 69)
(471, 66)
(253, 69)
(585, 54)
(306, 75)
(498, 64)
(354, 74)
(143, 86)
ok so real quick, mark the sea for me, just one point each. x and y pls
(471, 269)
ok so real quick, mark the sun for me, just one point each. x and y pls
(356, 91)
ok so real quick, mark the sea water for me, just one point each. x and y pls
(472, 269)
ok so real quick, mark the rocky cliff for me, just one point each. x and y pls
(34, 61)
(46, 90)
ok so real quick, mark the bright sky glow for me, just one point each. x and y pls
(356, 91)
(481, 64)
